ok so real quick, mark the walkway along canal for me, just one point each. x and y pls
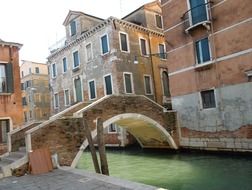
(178, 171)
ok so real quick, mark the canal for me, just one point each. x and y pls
(178, 171)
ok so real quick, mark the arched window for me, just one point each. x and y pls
(165, 80)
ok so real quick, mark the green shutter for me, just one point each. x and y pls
(9, 76)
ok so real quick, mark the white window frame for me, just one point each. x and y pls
(113, 132)
(69, 102)
(146, 45)
(127, 41)
(55, 70)
(104, 83)
(161, 21)
(54, 100)
(70, 28)
(73, 58)
(190, 16)
(210, 53)
(91, 49)
(89, 89)
(132, 83)
(63, 65)
(160, 51)
(151, 85)
(201, 101)
(82, 94)
(105, 34)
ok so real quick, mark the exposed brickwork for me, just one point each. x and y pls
(65, 136)
(18, 138)
(243, 132)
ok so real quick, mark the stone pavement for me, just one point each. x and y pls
(70, 179)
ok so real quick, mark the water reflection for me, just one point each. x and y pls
(178, 171)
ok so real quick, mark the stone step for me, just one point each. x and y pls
(5, 162)
(17, 154)
(22, 149)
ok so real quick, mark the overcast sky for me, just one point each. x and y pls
(37, 24)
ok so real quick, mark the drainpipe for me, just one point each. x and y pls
(152, 70)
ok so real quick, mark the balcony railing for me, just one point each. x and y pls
(197, 16)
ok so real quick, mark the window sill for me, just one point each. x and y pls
(76, 69)
(208, 109)
(111, 133)
(204, 66)
(5, 94)
(205, 23)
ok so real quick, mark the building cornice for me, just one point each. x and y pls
(100, 26)
(11, 44)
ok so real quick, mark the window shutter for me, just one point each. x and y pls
(9, 75)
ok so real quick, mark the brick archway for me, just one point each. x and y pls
(132, 120)
(151, 124)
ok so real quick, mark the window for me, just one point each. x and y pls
(22, 73)
(76, 59)
(147, 84)
(22, 86)
(159, 22)
(208, 99)
(73, 28)
(198, 11)
(54, 70)
(4, 128)
(202, 51)
(124, 44)
(104, 44)
(24, 103)
(128, 84)
(162, 53)
(30, 70)
(37, 70)
(6, 78)
(25, 116)
(64, 65)
(66, 97)
(108, 85)
(165, 80)
(92, 89)
(89, 52)
(56, 100)
(28, 83)
(112, 128)
(143, 46)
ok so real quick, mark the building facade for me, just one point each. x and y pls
(35, 91)
(209, 54)
(10, 93)
(112, 56)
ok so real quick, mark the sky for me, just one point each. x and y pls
(38, 24)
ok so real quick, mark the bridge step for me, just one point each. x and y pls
(13, 160)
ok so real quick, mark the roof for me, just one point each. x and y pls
(18, 45)
(145, 6)
(77, 14)
(103, 24)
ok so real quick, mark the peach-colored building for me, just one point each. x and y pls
(10, 92)
(209, 50)
(35, 91)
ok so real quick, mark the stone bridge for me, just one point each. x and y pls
(151, 124)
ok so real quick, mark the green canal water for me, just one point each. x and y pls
(178, 171)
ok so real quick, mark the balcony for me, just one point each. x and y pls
(197, 16)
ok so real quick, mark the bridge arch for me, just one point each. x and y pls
(129, 121)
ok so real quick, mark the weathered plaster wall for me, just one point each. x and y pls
(224, 126)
